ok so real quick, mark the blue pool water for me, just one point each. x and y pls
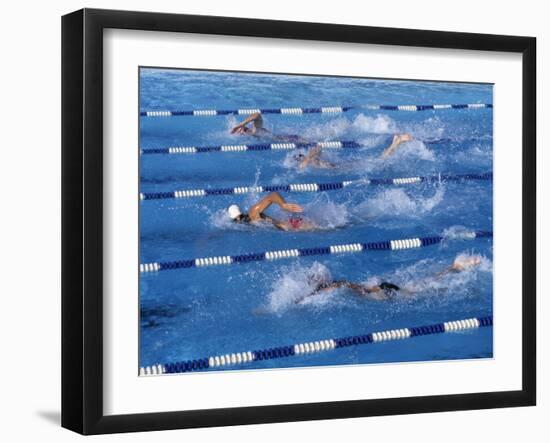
(199, 312)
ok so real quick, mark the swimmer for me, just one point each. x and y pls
(155, 316)
(313, 157)
(257, 214)
(257, 129)
(384, 290)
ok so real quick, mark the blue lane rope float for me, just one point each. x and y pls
(336, 144)
(314, 347)
(401, 244)
(311, 187)
(319, 110)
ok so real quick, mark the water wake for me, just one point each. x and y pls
(424, 285)
(396, 201)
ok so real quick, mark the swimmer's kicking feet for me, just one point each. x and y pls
(385, 290)
(253, 126)
(397, 140)
(257, 214)
(313, 157)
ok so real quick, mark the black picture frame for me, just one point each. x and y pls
(82, 218)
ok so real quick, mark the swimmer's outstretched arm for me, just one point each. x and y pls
(397, 140)
(371, 292)
(328, 287)
(448, 270)
(460, 265)
(256, 118)
(358, 288)
(274, 198)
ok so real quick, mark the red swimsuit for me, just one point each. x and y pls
(295, 222)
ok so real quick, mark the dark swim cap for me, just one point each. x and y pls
(388, 286)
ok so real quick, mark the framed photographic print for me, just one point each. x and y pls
(260, 218)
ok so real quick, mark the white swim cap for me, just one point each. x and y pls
(233, 211)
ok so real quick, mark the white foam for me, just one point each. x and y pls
(381, 124)
(293, 283)
(422, 288)
(457, 232)
(479, 153)
(396, 201)
(345, 128)
(428, 289)
(431, 128)
(327, 214)
(413, 149)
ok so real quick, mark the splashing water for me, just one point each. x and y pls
(431, 286)
(413, 149)
(371, 130)
(327, 214)
(294, 283)
(359, 127)
(396, 201)
(359, 163)
(422, 283)
(457, 232)
(223, 299)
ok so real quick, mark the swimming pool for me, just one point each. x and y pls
(195, 312)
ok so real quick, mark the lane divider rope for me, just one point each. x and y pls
(314, 347)
(253, 147)
(408, 243)
(317, 110)
(262, 147)
(311, 187)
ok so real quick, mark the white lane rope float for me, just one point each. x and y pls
(315, 110)
(311, 187)
(222, 361)
(393, 245)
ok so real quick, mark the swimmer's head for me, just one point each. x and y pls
(315, 279)
(242, 130)
(299, 157)
(234, 212)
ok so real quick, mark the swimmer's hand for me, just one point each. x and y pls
(237, 129)
(292, 207)
(463, 263)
